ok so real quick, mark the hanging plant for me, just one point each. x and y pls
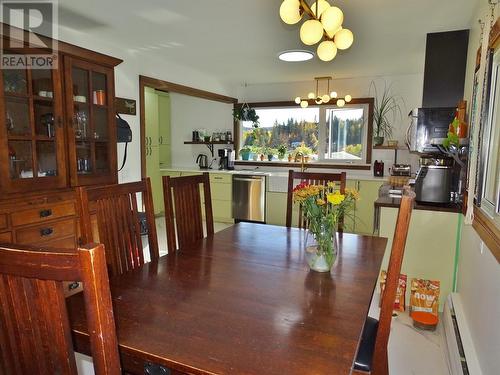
(245, 113)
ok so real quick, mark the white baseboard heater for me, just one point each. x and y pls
(460, 353)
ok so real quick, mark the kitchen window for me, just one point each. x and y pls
(327, 134)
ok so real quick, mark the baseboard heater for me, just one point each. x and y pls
(460, 354)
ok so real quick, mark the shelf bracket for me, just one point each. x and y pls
(211, 148)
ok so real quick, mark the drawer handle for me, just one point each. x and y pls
(46, 213)
(217, 178)
(153, 369)
(73, 285)
(46, 232)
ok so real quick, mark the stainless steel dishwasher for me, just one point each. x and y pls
(249, 198)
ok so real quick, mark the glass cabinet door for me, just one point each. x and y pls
(92, 142)
(32, 134)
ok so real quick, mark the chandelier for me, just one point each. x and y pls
(324, 25)
(325, 98)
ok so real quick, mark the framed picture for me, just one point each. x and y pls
(125, 106)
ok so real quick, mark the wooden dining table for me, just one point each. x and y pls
(243, 302)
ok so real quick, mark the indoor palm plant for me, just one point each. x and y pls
(386, 110)
(322, 206)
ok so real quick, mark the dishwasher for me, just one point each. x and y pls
(249, 198)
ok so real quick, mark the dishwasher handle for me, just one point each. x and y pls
(248, 179)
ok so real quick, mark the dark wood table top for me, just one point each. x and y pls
(245, 302)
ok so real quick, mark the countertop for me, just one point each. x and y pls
(394, 202)
(259, 171)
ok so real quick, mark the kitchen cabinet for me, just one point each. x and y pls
(164, 129)
(362, 217)
(430, 247)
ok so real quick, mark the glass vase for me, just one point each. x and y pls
(321, 248)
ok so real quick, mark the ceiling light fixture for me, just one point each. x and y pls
(325, 98)
(324, 25)
(295, 55)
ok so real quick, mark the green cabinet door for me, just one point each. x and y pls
(165, 156)
(350, 217)
(368, 193)
(153, 172)
(163, 118)
(151, 116)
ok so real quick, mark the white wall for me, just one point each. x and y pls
(189, 113)
(408, 87)
(478, 279)
(127, 86)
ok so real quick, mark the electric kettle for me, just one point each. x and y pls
(202, 161)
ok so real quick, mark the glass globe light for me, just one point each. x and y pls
(331, 33)
(325, 98)
(340, 103)
(333, 94)
(327, 50)
(318, 100)
(311, 95)
(332, 18)
(348, 98)
(311, 32)
(304, 103)
(344, 39)
(297, 100)
(322, 6)
(290, 12)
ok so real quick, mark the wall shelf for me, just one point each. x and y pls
(209, 144)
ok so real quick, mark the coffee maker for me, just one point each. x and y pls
(226, 161)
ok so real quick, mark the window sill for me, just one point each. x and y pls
(487, 231)
(284, 164)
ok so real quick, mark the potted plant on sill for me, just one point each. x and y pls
(245, 153)
(281, 151)
(255, 152)
(302, 151)
(386, 110)
(245, 113)
(270, 153)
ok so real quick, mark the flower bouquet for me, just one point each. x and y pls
(322, 207)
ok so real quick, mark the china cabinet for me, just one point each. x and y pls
(57, 131)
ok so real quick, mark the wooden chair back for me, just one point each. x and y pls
(182, 195)
(314, 179)
(380, 360)
(118, 224)
(35, 334)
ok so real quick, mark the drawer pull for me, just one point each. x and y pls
(152, 369)
(46, 232)
(73, 285)
(46, 213)
(217, 178)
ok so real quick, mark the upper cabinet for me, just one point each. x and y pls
(57, 126)
(89, 96)
(32, 135)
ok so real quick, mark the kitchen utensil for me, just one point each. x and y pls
(401, 170)
(433, 184)
(202, 161)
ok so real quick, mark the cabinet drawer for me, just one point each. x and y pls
(6, 237)
(222, 210)
(221, 178)
(3, 221)
(46, 232)
(43, 213)
(62, 243)
(222, 192)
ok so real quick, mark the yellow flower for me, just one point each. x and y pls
(330, 184)
(335, 198)
(353, 193)
(320, 202)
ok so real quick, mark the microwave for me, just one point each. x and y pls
(428, 128)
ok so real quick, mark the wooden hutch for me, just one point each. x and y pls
(57, 131)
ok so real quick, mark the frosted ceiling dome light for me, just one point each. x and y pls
(295, 55)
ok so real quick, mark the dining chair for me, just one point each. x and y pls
(182, 195)
(312, 178)
(35, 334)
(372, 352)
(117, 225)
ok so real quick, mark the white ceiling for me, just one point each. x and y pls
(238, 41)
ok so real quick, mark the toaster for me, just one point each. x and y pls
(401, 170)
